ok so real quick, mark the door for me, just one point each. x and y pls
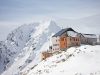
(63, 43)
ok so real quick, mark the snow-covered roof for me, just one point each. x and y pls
(72, 33)
(63, 31)
(90, 35)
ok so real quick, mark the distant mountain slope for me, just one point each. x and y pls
(90, 24)
(15, 42)
(25, 43)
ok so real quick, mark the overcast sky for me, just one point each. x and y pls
(15, 12)
(22, 10)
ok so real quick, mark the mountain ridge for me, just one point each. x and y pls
(27, 39)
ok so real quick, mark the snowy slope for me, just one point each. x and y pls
(84, 60)
(27, 47)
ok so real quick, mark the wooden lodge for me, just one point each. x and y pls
(64, 39)
(69, 38)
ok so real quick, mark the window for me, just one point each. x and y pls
(74, 39)
(55, 44)
(70, 39)
(77, 39)
(56, 40)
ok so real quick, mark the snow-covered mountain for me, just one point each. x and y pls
(15, 42)
(23, 46)
(20, 53)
